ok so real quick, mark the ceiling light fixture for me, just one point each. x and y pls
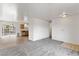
(63, 15)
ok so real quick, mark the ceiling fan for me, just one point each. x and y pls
(63, 15)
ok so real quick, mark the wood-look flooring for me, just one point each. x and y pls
(44, 47)
(13, 42)
(74, 47)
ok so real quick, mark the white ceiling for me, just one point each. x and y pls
(47, 11)
(8, 12)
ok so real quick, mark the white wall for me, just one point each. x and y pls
(66, 29)
(38, 29)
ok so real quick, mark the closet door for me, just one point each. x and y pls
(74, 29)
(60, 30)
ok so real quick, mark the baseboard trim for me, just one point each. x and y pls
(39, 39)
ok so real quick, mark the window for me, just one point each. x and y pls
(8, 29)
